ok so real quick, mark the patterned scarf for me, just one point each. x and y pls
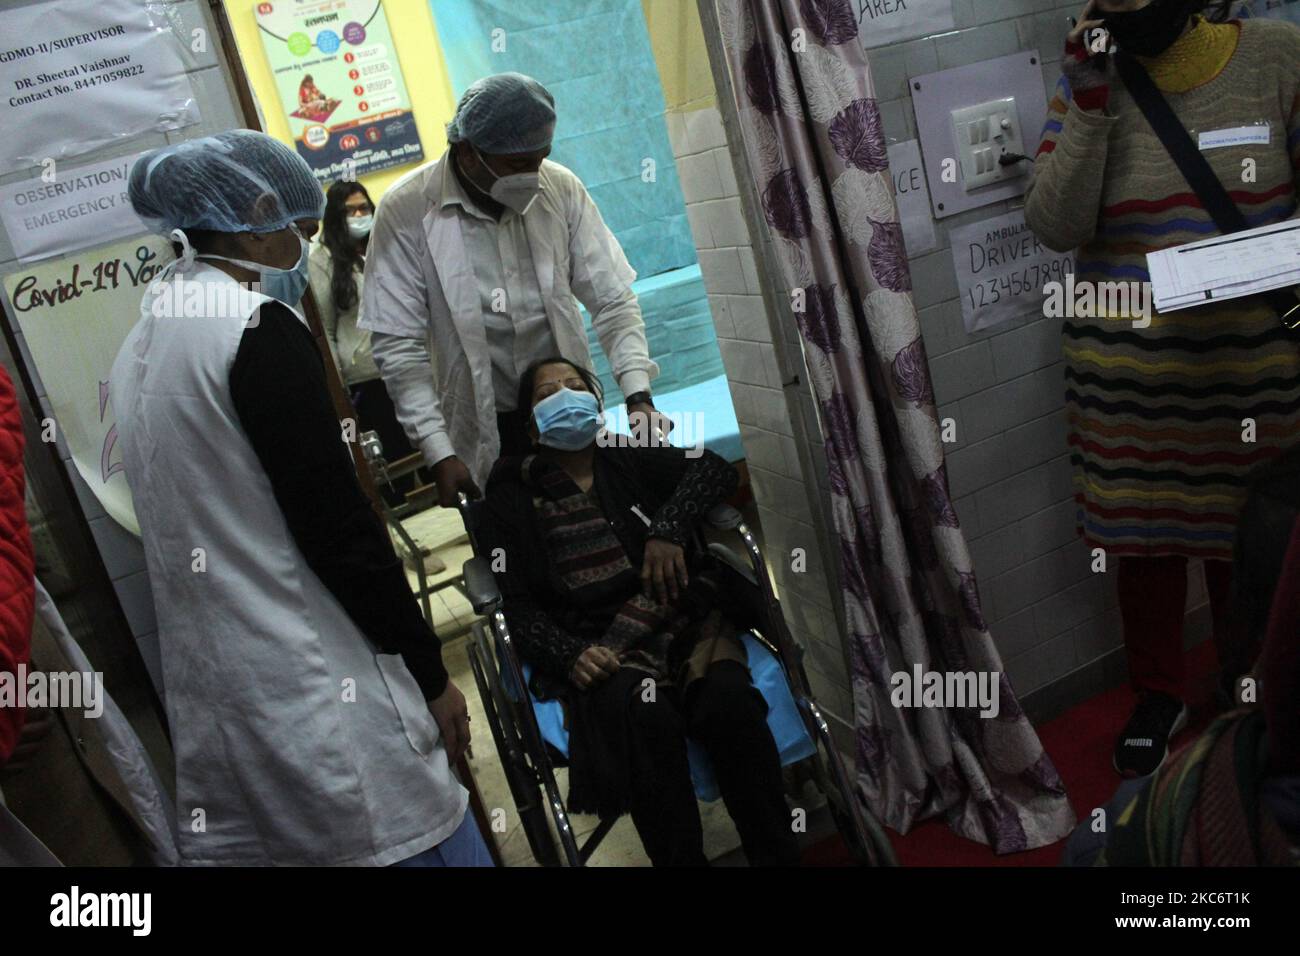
(590, 567)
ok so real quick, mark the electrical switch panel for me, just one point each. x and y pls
(984, 134)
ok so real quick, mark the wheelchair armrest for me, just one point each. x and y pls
(723, 517)
(481, 585)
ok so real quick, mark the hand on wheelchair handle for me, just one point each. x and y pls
(663, 570)
(593, 665)
(649, 426)
(452, 477)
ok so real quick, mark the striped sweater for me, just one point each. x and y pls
(1158, 431)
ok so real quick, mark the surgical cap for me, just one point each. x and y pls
(504, 113)
(237, 181)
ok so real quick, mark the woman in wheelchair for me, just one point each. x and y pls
(623, 617)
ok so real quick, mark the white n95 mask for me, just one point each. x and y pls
(516, 191)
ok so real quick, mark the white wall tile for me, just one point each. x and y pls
(726, 172)
(704, 129)
(763, 449)
(775, 377)
(722, 321)
(770, 410)
(750, 269)
(721, 271)
(676, 123)
(698, 174)
(749, 315)
(727, 224)
(699, 222)
(744, 362)
(980, 43)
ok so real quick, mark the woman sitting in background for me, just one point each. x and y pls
(337, 265)
(619, 614)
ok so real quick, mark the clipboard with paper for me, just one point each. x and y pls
(1226, 267)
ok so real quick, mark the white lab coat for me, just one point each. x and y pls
(349, 345)
(421, 291)
(295, 741)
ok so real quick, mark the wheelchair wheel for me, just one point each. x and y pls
(863, 835)
(525, 788)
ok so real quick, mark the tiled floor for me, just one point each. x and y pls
(440, 531)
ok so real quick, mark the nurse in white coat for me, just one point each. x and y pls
(477, 264)
(312, 718)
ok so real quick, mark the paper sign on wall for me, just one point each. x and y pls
(75, 314)
(913, 197)
(1001, 270)
(70, 209)
(78, 76)
(892, 21)
(340, 85)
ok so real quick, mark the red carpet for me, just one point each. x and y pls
(1079, 742)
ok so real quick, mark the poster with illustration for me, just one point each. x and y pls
(75, 313)
(340, 85)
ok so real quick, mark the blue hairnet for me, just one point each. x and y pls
(237, 181)
(504, 113)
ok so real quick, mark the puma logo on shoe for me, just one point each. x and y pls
(1143, 744)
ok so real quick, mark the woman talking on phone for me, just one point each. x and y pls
(1168, 419)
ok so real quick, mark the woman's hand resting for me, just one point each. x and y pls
(663, 570)
(593, 665)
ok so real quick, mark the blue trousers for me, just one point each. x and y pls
(465, 847)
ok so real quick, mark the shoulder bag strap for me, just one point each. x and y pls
(1195, 168)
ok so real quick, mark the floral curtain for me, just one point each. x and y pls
(813, 135)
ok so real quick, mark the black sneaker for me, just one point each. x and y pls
(1143, 744)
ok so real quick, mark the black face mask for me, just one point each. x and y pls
(1151, 30)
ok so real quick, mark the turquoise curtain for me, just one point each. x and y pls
(595, 58)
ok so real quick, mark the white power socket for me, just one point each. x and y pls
(983, 133)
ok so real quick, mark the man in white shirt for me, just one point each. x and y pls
(477, 263)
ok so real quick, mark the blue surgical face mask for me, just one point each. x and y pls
(287, 285)
(359, 226)
(567, 420)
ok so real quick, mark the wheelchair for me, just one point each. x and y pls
(531, 742)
